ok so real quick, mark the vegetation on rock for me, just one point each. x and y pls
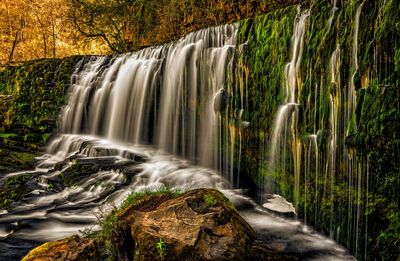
(358, 211)
(161, 225)
(31, 96)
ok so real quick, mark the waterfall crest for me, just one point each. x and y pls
(163, 96)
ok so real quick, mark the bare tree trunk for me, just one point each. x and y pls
(44, 46)
(53, 27)
(15, 42)
(43, 35)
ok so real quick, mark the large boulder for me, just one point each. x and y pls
(198, 225)
(201, 224)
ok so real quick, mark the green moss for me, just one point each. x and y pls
(329, 196)
(209, 200)
(38, 90)
(8, 135)
(14, 189)
(135, 197)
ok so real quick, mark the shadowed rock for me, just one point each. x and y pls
(198, 225)
(220, 101)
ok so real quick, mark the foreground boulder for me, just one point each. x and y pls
(71, 248)
(198, 225)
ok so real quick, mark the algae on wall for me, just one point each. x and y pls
(348, 185)
(35, 92)
(263, 51)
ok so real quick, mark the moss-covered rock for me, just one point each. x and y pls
(71, 248)
(15, 188)
(198, 225)
(31, 96)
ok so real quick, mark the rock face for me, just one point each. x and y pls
(201, 224)
(198, 225)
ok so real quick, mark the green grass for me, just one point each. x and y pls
(210, 200)
(161, 248)
(109, 223)
(135, 197)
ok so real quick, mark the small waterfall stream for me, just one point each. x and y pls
(285, 130)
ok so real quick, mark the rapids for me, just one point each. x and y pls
(108, 172)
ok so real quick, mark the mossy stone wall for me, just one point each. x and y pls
(356, 200)
(32, 95)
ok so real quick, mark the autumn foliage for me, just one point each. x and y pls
(32, 29)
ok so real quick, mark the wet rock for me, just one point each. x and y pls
(15, 188)
(220, 101)
(32, 137)
(237, 121)
(333, 89)
(198, 225)
(274, 250)
(279, 205)
(356, 140)
(71, 248)
(83, 167)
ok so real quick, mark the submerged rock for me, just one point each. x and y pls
(279, 205)
(198, 225)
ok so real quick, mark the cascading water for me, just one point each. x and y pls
(128, 121)
(334, 98)
(161, 96)
(313, 155)
(284, 132)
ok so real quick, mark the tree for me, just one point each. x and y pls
(104, 19)
(31, 29)
(17, 36)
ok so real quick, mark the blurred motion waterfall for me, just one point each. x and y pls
(299, 105)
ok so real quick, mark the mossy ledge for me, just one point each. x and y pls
(31, 95)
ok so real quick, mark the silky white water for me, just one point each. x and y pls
(142, 121)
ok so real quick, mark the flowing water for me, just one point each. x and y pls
(161, 117)
(284, 137)
(109, 171)
(162, 96)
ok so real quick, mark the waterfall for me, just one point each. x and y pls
(352, 162)
(284, 131)
(334, 98)
(163, 96)
(354, 60)
(180, 99)
(307, 145)
(270, 101)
